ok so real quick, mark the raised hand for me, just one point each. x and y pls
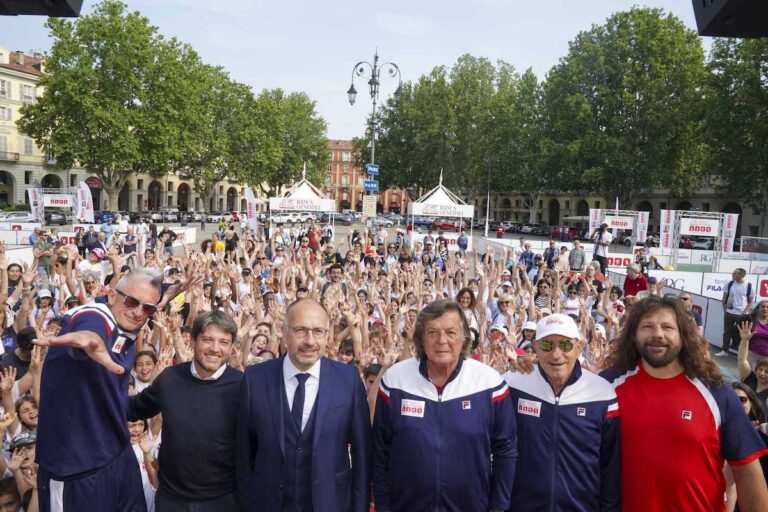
(6, 420)
(7, 378)
(145, 443)
(89, 342)
(745, 331)
(14, 463)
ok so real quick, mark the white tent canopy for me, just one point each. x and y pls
(302, 197)
(441, 202)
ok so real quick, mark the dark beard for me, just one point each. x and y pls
(659, 361)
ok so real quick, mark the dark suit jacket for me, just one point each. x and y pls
(342, 432)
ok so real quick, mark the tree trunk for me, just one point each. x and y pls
(111, 198)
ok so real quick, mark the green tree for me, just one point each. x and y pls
(115, 99)
(622, 108)
(737, 119)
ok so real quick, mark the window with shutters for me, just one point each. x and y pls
(5, 113)
(27, 93)
(29, 146)
(3, 144)
(346, 156)
(5, 87)
(345, 181)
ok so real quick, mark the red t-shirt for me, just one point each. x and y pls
(634, 286)
(675, 436)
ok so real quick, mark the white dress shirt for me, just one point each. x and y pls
(310, 387)
(195, 374)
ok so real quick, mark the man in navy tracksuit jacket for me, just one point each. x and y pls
(433, 447)
(567, 427)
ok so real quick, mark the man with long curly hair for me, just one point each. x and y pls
(679, 420)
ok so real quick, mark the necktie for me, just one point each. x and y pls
(297, 411)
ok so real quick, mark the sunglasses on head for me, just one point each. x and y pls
(548, 346)
(132, 303)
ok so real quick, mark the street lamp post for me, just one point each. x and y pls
(376, 70)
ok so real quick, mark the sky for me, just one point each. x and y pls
(312, 46)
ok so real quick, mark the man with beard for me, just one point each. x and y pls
(679, 420)
(198, 400)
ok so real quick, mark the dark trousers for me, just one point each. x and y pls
(731, 338)
(166, 503)
(603, 261)
(116, 486)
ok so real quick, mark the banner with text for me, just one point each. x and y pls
(58, 200)
(699, 227)
(250, 200)
(667, 228)
(84, 203)
(594, 219)
(730, 222)
(302, 204)
(642, 226)
(618, 222)
(36, 203)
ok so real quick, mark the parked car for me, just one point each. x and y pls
(381, 221)
(395, 217)
(511, 227)
(55, 218)
(541, 231)
(423, 222)
(564, 233)
(337, 218)
(703, 243)
(17, 217)
(480, 223)
(145, 215)
(192, 216)
(448, 225)
(287, 218)
(530, 227)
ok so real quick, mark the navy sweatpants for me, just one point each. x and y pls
(115, 488)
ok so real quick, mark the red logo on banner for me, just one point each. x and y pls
(764, 288)
(15, 227)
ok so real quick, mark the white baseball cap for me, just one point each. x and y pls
(557, 324)
(506, 283)
(529, 326)
(501, 328)
(44, 293)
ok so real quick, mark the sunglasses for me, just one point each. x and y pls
(548, 346)
(132, 303)
(743, 399)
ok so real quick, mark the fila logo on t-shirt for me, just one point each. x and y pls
(687, 415)
(528, 407)
(119, 344)
(581, 411)
(466, 404)
(414, 408)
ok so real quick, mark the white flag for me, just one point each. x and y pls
(250, 200)
(84, 203)
(36, 203)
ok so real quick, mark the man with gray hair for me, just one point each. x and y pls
(198, 400)
(444, 429)
(83, 447)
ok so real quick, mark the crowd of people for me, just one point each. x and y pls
(294, 369)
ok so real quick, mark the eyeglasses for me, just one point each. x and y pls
(301, 333)
(132, 303)
(743, 399)
(548, 346)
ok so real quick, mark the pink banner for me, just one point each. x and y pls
(667, 228)
(730, 223)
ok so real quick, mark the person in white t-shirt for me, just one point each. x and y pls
(738, 297)
(143, 446)
(602, 239)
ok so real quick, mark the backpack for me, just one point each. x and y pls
(728, 291)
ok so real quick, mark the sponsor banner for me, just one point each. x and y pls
(58, 200)
(758, 267)
(667, 228)
(619, 222)
(762, 288)
(642, 226)
(19, 226)
(730, 223)
(84, 212)
(302, 204)
(451, 237)
(441, 210)
(688, 281)
(594, 219)
(714, 284)
(36, 203)
(250, 200)
(699, 227)
(620, 260)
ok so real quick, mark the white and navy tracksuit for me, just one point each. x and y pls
(433, 447)
(568, 444)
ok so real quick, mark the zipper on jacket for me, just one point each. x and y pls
(555, 434)
(439, 446)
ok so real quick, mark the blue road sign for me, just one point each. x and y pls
(372, 169)
(371, 185)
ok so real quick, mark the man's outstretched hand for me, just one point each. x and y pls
(90, 342)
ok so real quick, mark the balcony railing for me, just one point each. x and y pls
(9, 157)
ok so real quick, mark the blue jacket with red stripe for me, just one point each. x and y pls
(451, 449)
(568, 444)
